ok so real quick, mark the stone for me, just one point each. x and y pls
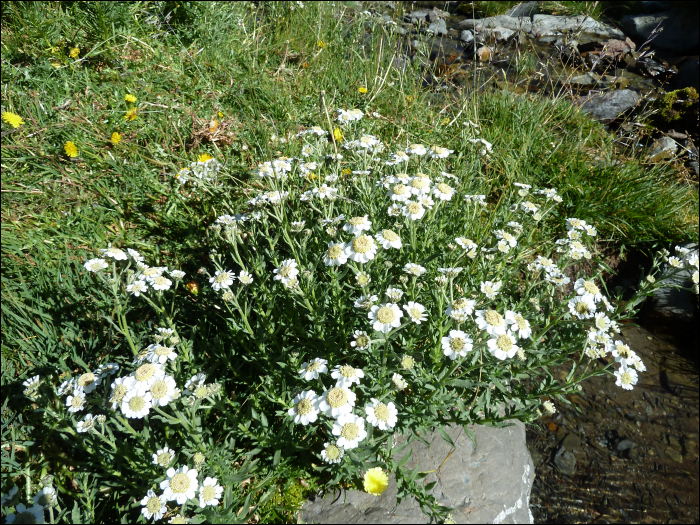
(487, 484)
(550, 24)
(664, 148)
(674, 454)
(501, 33)
(626, 444)
(678, 305)
(526, 9)
(587, 80)
(679, 29)
(608, 106)
(484, 53)
(438, 27)
(507, 22)
(688, 75)
(565, 461)
(466, 36)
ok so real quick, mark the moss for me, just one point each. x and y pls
(675, 105)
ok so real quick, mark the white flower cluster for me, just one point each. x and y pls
(205, 169)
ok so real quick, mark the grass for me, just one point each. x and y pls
(258, 71)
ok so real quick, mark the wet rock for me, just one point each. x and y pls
(587, 80)
(609, 106)
(466, 36)
(664, 148)
(492, 22)
(565, 461)
(626, 444)
(550, 25)
(688, 75)
(674, 454)
(438, 27)
(676, 304)
(489, 483)
(694, 166)
(500, 34)
(679, 33)
(526, 9)
(484, 53)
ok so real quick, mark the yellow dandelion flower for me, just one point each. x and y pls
(409, 98)
(346, 171)
(116, 138)
(130, 98)
(71, 149)
(220, 114)
(13, 120)
(445, 121)
(204, 157)
(74, 52)
(362, 90)
(132, 114)
(213, 125)
(321, 44)
(376, 481)
(56, 64)
(337, 135)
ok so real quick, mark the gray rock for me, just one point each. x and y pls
(438, 27)
(587, 79)
(549, 24)
(466, 36)
(664, 148)
(417, 16)
(695, 166)
(608, 106)
(688, 75)
(501, 33)
(626, 444)
(489, 483)
(508, 22)
(526, 9)
(676, 304)
(679, 33)
(565, 461)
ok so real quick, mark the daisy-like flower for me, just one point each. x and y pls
(177, 274)
(558, 279)
(357, 225)
(346, 375)
(45, 497)
(399, 382)
(120, 387)
(361, 249)
(503, 346)
(385, 317)
(163, 457)
(588, 290)
(467, 244)
(460, 308)
(161, 283)
(337, 401)
(529, 207)
(413, 210)
(415, 270)
(149, 273)
(87, 424)
(332, 453)
(451, 272)
(638, 364)
(400, 193)
(136, 256)
(136, 404)
(582, 307)
(325, 192)
(335, 254)
(457, 343)
(602, 322)
(311, 369)
(416, 312)
(549, 407)
(158, 353)
(397, 158)
(12, 119)
(626, 377)
(368, 141)
(623, 354)
(147, 374)
(382, 415)
(518, 324)
(507, 237)
(388, 239)
(416, 149)
(245, 278)
(32, 382)
(287, 271)
(163, 391)
(362, 279)
(153, 505)
(305, 409)
(350, 429)
(71, 149)
(210, 492)
(221, 280)
(491, 321)
(420, 185)
(22, 514)
(88, 382)
(365, 302)
(575, 224)
(394, 210)
(443, 192)
(490, 289)
(114, 253)
(67, 386)
(95, 265)
(394, 294)
(362, 340)
(438, 152)
(76, 401)
(180, 485)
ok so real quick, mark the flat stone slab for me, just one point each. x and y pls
(487, 484)
(550, 24)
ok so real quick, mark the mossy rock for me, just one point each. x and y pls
(676, 106)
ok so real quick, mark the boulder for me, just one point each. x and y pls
(526, 9)
(679, 29)
(664, 148)
(466, 36)
(678, 305)
(489, 483)
(608, 106)
(438, 27)
(688, 75)
(543, 25)
(507, 22)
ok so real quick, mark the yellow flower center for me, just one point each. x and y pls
(415, 313)
(575, 223)
(76, 402)
(386, 315)
(414, 208)
(601, 323)
(577, 245)
(582, 307)
(493, 318)
(356, 221)
(145, 372)
(363, 279)
(591, 288)
(153, 505)
(623, 350)
(180, 483)
(160, 280)
(136, 403)
(626, 378)
(285, 271)
(459, 304)
(222, 277)
(362, 244)
(86, 379)
(521, 321)
(334, 251)
(381, 412)
(313, 366)
(504, 343)
(201, 392)
(362, 341)
(444, 188)
(407, 362)
(159, 389)
(333, 452)
(350, 431)
(347, 371)
(457, 344)
(208, 493)
(119, 393)
(390, 235)
(304, 407)
(161, 350)
(164, 458)
(399, 189)
(419, 183)
(337, 397)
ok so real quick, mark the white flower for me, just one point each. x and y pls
(22, 514)
(438, 152)
(456, 344)
(163, 457)
(399, 382)
(602, 322)
(414, 269)
(460, 308)
(400, 193)
(443, 192)
(88, 382)
(394, 294)
(65, 387)
(346, 375)
(149, 273)
(336, 254)
(147, 374)
(311, 369)
(114, 253)
(287, 271)
(490, 289)
(95, 265)
(416, 149)
(518, 324)
(382, 415)
(325, 192)
(177, 274)
(467, 244)
(575, 224)
(351, 429)
(362, 340)
(420, 185)
(626, 377)
(120, 387)
(136, 256)
(45, 497)
(332, 453)
(32, 382)
(385, 317)
(87, 424)
(397, 158)
(361, 249)
(358, 225)
(137, 288)
(163, 391)
(582, 307)
(503, 346)
(305, 409)
(504, 235)
(588, 290)
(210, 492)
(394, 210)
(153, 505)
(158, 353)
(368, 141)
(491, 321)
(623, 354)
(365, 301)
(549, 407)
(221, 279)
(638, 364)
(345, 116)
(529, 206)
(413, 210)
(451, 272)
(557, 278)
(136, 404)
(388, 239)
(76, 402)
(337, 401)
(245, 278)
(180, 485)
(416, 312)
